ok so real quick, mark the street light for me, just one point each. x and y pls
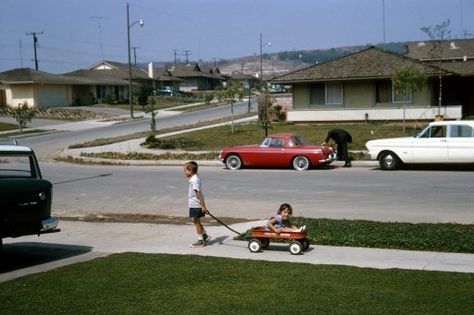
(267, 44)
(139, 21)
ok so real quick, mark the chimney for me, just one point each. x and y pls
(150, 70)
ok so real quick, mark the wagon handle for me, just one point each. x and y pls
(218, 220)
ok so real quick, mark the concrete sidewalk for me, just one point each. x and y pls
(107, 238)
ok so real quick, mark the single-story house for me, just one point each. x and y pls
(359, 87)
(194, 78)
(247, 80)
(43, 89)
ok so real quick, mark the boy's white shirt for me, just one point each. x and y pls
(194, 184)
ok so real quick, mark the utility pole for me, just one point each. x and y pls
(35, 43)
(21, 54)
(135, 54)
(187, 53)
(175, 51)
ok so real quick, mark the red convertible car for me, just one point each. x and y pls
(278, 150)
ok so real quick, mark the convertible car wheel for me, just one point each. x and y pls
(233, 162)
(300, 163)
(389, 161)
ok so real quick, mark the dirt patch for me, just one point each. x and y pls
(150, 218)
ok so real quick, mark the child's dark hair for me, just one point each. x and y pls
(284, 206)
(191, 166)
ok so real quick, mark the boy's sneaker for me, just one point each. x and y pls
(199, 243)
(302, 228)
(206, 238)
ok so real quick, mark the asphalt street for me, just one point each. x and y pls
(79, 241)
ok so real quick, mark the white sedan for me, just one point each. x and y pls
(439, 142)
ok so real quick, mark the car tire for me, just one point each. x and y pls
(389, 161)
(233, 162)
(301, 163)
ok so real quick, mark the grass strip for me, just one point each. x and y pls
(440, 237)
(151, 156)
(134, 283)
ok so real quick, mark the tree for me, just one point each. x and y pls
(232, 92)
(438, 34)
(265, 102)
(23, 114)
(405, 81)
(150, 108)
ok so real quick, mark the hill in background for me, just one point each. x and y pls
(276, 64)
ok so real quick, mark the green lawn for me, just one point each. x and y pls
(5, 126)
(134, 283)
(216, 138)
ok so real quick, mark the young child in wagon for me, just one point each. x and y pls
(281, 222)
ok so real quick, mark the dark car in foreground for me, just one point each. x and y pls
(278, 150)
(25, 197)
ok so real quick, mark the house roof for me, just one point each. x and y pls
(119, 70)
(189, 71)
(28, 76)
(370, 63)
(448, 49)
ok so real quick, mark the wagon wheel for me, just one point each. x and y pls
(265, 242)
(305, 243)
(296, 248)
(254, 245)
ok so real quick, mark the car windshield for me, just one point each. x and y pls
(433, 132)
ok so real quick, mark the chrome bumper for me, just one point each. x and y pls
(330, 158)
(49, 224)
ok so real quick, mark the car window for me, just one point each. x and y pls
(460, 131)
(15, 166)
(278, 143)
(438, 132)
(299, 140)
(265, 142)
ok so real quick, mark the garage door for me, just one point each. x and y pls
(52, 95)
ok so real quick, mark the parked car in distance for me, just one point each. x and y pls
(440, 142)
(166, 91)
(25, 197)
(278, 150)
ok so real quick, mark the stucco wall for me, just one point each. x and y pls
(358, 94)
(19, 94)
(410, 113)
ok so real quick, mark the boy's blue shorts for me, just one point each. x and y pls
(195, 213)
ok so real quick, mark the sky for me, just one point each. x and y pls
(75, 34)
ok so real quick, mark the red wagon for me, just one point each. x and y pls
(261, 235)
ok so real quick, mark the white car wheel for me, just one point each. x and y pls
(300, 163)
(233, 162)
(389, 161)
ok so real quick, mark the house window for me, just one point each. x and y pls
(383, 92)
(386, 93)
(326, 94)
(402, 97)
(101, 92)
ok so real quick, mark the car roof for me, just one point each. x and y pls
(14, 148)
(452, 122)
